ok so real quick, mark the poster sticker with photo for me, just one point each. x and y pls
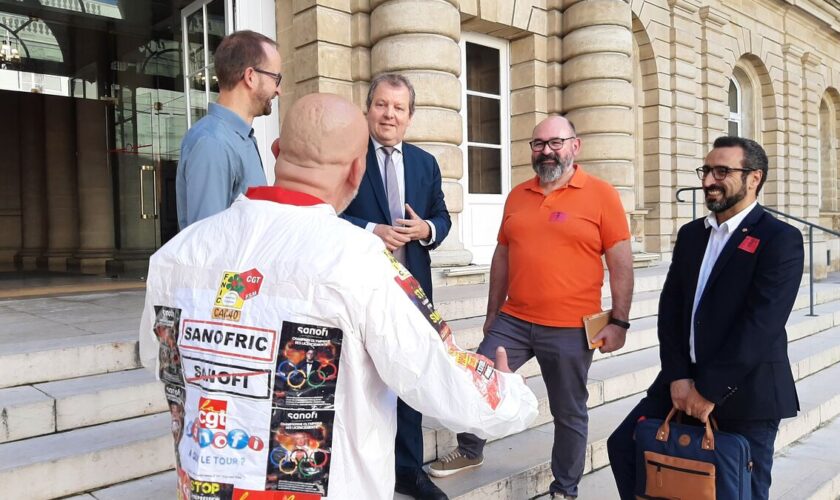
(175, 397)
(167, 322)
(307, 366)
(300, 451)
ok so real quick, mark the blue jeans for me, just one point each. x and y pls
(761, 434)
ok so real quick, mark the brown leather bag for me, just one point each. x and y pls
(675, 478)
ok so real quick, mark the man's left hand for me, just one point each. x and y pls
(613, 337)
(414, 227)
(697, 406)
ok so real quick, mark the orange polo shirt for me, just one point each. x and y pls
(555, 244)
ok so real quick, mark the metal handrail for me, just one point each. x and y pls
(811, 227)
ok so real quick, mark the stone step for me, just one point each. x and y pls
(616, 378)
(817, 408)
(33, 361)
(467, 301)
(85, 459)
(79, 402)
(810, 468)
(472, 274)
(643, 335)
(819, 404)
(518, 466)
(157, 486)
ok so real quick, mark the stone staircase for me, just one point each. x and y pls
(78, 416)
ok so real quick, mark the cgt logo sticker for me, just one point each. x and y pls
(212, 414)
(234, 290)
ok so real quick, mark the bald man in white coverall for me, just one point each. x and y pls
(289, 268)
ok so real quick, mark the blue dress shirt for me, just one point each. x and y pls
(219, 161)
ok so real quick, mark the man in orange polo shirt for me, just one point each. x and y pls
(547, 274)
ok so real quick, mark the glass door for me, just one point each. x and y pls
(204, 24)
(486, 146)
(149, 120)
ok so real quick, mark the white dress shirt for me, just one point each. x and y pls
(399, 167)
(717, 240)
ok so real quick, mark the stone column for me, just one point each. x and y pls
(96, 209)
(598, 91)
(528, 99)
(59, 140)
(686, 124)
(360, 50)
(714, 76)
(791, 110)
(811, 79)
(322, 41)
(419, 38)
(554, 57)
(32, 181)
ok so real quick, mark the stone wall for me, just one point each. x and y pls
(646, 82)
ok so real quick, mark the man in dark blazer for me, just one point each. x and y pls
(729, 292)
(401, 201)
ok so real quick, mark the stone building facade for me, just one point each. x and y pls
(649, 84)
(87, 174)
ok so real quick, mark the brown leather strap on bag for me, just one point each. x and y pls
(664, 430)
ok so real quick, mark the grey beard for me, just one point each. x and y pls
(549, 173)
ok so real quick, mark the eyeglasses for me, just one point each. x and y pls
(277, 76)
(719, 172)
(555, 143)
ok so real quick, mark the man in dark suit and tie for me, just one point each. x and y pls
(401, 201)
(309, 363)
(731, 286)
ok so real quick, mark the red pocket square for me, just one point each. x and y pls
(749, 244)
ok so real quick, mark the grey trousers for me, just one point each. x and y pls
(564, 359)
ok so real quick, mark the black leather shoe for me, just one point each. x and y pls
(418, 485)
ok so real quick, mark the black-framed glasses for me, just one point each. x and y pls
(555, 143)
(277, 76)
(719, 172)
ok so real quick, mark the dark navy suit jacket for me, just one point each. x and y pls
(740, 337)
(422, 191)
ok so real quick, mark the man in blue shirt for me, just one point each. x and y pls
(219, 155)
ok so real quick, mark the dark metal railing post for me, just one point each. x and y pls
(693, 204)
(811, 267)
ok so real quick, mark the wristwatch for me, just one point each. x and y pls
(618, 322)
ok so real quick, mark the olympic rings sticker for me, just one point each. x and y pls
(306, 463)
(296, 378)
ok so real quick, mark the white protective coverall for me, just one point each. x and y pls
(238, 280)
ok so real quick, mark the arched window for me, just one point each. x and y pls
(828, 190)
(734, 122)
(743, 113)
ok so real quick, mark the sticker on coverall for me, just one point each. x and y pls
(304, 408)
(479, 366)
(166, 327)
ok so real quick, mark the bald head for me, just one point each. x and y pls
(555, 125)
(323, 135)
(322, 130)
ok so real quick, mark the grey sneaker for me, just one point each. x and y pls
(454, 462)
